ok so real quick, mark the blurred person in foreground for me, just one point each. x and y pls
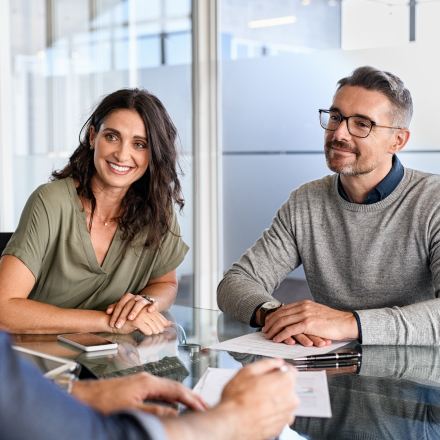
(256, 405)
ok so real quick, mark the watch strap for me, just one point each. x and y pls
(264, 313)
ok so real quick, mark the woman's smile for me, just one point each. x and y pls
(118, 169)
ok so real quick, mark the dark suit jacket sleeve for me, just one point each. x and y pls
(31, 407)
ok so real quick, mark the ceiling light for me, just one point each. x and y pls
(272, 22)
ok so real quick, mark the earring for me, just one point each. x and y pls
(91, 147)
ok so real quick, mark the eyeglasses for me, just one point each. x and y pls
(356, 125)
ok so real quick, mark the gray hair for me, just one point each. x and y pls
(389, 85)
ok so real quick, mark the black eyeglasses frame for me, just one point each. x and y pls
(346, 118)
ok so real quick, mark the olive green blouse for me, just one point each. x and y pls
(53, 241)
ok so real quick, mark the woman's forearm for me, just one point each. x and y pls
(163, 290)
(163, 293)
(19, 315)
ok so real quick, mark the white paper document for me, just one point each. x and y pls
(211, 384)
(256, 343)
(311, 387)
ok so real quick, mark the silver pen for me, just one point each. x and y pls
(330, 356)
(323, 365)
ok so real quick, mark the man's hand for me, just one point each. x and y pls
(256, 404)
(264, 397)
(310, 323)
(112, 395)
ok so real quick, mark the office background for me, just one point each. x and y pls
(242, 80)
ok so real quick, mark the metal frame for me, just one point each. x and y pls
(207, 157)
(347, 119)
(6, 141)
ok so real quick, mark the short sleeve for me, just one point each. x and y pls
(30, 240)
(172, 251)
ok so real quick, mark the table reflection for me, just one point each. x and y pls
(395, 395)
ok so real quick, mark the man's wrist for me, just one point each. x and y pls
(219, 423)
(85, 390)
(230, 413)
(259, 317)
(266, 309)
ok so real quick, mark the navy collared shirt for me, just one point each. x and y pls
(385, 187)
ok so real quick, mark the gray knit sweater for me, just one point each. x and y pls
(381, 260)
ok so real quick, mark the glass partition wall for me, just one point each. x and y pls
(281, 61)
(67, 54)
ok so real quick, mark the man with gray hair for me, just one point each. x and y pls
(368, 236)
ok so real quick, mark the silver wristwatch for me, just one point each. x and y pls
(269, 307)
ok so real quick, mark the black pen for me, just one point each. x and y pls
(323, 365)
(330, 357)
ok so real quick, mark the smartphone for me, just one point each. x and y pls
(87, 341)
(102, 353)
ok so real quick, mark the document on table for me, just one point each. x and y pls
(311, 387)
(256, 343)
(211, 384)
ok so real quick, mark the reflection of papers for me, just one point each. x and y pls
(256, 343)
(311, 388)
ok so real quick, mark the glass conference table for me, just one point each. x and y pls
(395, 395)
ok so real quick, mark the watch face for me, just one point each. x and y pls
(271, 305)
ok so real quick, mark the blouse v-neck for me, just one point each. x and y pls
(109, 258)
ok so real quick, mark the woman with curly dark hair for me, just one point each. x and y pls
(97, 245)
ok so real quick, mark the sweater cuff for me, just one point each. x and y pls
(254, 315)
(359, 326)
(378, 327)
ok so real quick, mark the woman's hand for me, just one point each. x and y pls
(128, 307)
(146, 322)
(146, 351)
